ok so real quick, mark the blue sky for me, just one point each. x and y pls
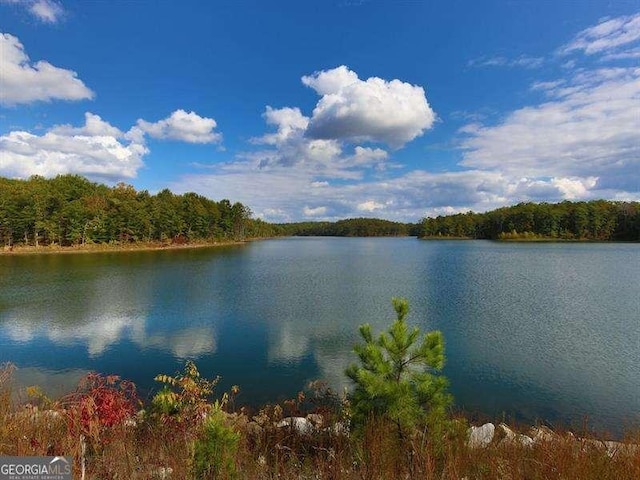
(328, 109)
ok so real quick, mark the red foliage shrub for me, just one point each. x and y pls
(101, 402)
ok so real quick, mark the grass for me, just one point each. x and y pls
(100, 426)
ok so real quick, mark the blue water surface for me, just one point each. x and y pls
(534, 331)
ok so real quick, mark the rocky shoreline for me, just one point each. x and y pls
(478, 437)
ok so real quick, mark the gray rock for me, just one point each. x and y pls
(611, 448)
(543, 435)
(480, 437)
(298, 424)
(619, 448)
(513, 438)
(509, 435)
(525, 440)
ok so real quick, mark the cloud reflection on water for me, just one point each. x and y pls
(102, 308)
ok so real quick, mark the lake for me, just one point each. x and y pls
(533, 331)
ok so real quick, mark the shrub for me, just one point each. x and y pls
(184, 396)
(398, 377)
(100, 403)
(215, 449)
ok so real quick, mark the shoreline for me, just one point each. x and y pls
(526, 240)
(20, 250)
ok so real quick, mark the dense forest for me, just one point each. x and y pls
(71, 210)
(352, 227)
(598, 220)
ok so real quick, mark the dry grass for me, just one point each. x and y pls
(151, 448)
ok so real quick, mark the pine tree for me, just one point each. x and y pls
(398, 377)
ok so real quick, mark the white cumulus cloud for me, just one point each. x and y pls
(369, 206)
(96, 150)
(184, 126)
(290, 146)
(94, 126)
(290, 122)
(314, 211)
(293, 161)
(364, 156)
(22, 81)
(372, 110)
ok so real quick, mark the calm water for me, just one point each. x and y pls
(533, 331)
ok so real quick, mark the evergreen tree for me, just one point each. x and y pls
(398, 377)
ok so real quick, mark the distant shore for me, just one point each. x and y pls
(112, 247)
(528, 239)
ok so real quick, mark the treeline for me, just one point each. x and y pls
(71, 210)
(598, 220)
(352, 227)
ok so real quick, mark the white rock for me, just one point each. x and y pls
(481, 436)
(525, 440)
(618, 448)
(612, 448)
(543, 434)
(511, 437)
(298, 424)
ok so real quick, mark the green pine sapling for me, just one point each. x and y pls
(398, 377)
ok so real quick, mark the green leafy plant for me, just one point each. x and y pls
(183, 405)
(216, 447)
(185, 395)
(398, 378)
